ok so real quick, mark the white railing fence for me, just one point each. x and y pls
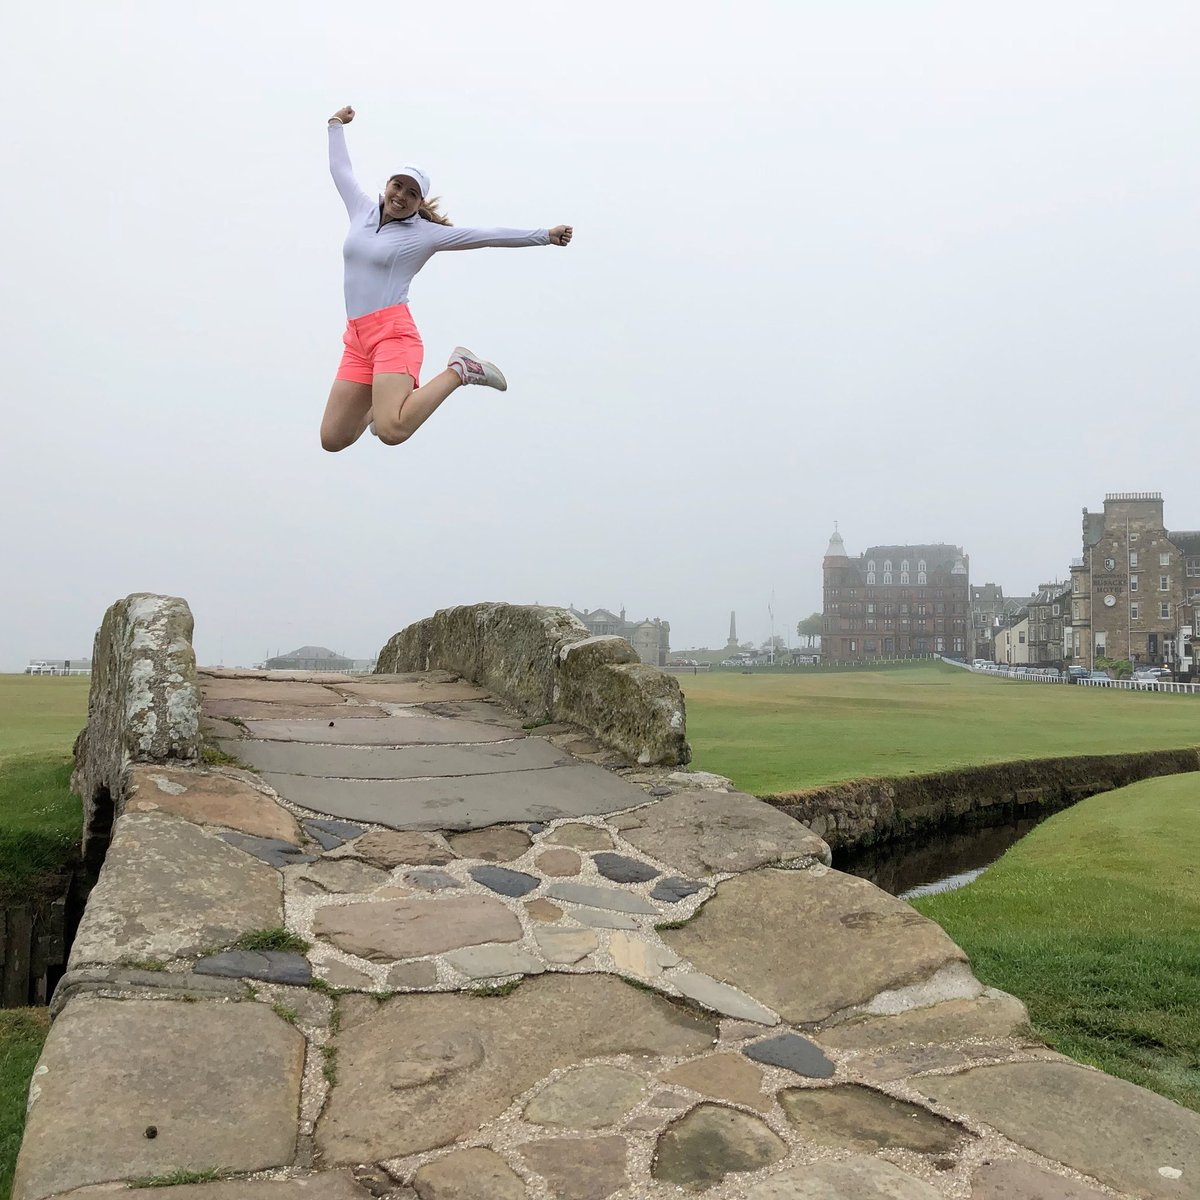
(1029, 675)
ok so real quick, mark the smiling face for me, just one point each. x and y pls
(401, 197)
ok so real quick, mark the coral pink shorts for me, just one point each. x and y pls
(380, 343)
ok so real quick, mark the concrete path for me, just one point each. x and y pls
(520, 969)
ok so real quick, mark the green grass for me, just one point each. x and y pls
(1091, 920)
(781, 733)
(271, 939)
(177, 1178)
(41, 713)
(22, 1032)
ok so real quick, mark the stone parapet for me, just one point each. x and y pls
(544, 662)
(858, 813)
(143, 706)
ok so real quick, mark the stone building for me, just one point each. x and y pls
(1049, 612)
(1135, 586)
(990, 609)
(895, 602)
(650, 638)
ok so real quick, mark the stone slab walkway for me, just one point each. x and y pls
(537, 974)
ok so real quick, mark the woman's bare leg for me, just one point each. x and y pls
(399, 410)
(347, 413)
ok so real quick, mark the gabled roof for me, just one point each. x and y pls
(938, 556)
(311, 652)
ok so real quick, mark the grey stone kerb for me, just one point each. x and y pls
(544, 662)
(143, 705)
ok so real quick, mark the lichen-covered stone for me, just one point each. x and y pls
(543, 661)
(143, 705)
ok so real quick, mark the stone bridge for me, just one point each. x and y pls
(465, 930)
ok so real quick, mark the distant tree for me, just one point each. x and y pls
(810, 628)
(746, 647)
(776, 644)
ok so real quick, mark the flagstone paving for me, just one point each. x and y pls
(546, 978)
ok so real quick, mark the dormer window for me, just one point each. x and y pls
(904, 566)
(887, 566)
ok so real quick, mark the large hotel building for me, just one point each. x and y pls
(894, 602)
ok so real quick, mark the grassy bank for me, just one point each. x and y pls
(1091, 920)
(40, 820)
(39, 830)
(22, 1032)
(781, 733)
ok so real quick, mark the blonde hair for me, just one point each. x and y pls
(429, 211)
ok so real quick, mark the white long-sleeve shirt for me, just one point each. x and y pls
(382, 257)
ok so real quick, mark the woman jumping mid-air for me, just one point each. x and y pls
(391, 238)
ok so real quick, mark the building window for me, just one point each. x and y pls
(1164, 560)
(870, 564)
(904, 566)
(921, 566)
(921, 578)
(853, 645)
(869, 647)
(903, 577)
(1133, 583)
(887, 564)
(1193, 568)
(1133, 537)
(1133, 612)
(939, 644)
(1099, 645)
(1021, 637)
(870, 577)
(1133, 558)
(1164, 583)
(887, 579)
(1164, 610)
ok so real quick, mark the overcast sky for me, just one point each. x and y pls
(928, 269)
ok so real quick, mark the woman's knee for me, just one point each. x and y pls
(334, 442)
(393, 436)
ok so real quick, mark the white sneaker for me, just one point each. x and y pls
(477, 370)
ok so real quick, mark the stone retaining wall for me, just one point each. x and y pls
(545, 663)
(862, 812)
(143, 706)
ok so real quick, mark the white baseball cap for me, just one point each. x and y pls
(417, 176)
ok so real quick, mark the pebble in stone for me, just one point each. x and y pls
(404, 976)
(491, 962)
(430, 881)
(543, 910)
(537, 827)
(723, 998)
(601, 897)
(344, 875)
(599, 919)
(586, 1098)
(271, 966)
(669, 1100)
(579, 1168)
(338, 831)
(474, 1174)
(582, 837)
(393, 848)
(559, 862)
(623, 821)
(646, 1123)
(565, 945)
(341, 975)
(713, 1141)
(659, 790)
(504, 880)
(675, 888)
(1012, 1179)
(622, 869)
(723, 1077)
(270, 850)
(792, 1051)
(853, 1117)
(637, 956)
(500, 843)
(859, 1178)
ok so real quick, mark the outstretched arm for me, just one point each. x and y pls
(339, 162)
(456, 237)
